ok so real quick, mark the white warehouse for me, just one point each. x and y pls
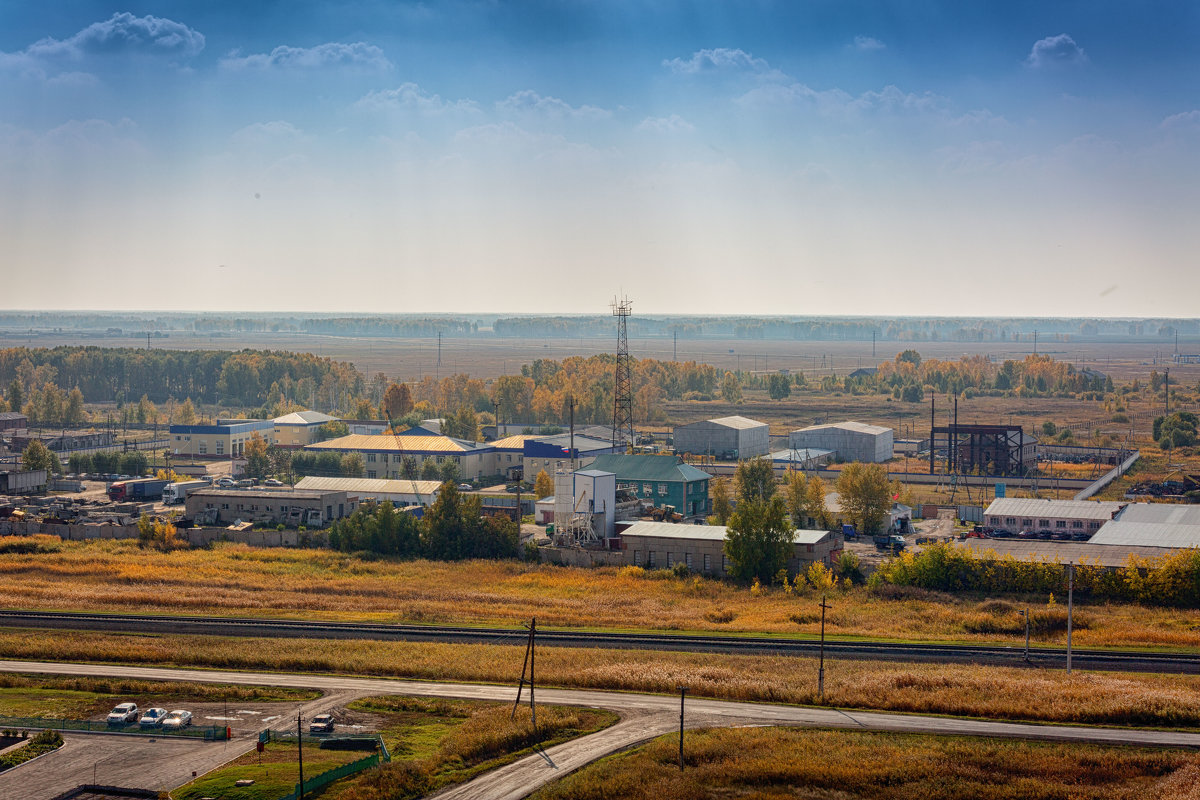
(724, 438)
(851, 441)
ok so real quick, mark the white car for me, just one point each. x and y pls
(123, 714)
(177, 719)
(152, 718)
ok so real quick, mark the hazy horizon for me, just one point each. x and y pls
(774, 159)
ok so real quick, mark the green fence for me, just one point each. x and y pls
(326, 778)
(207, 732)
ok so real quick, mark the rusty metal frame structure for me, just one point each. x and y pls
(992, 449)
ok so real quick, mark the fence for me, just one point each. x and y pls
(208, 733)
(326, 778)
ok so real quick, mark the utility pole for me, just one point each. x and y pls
(1166, 392)
(530, 655)
(821, 668)
(1025, 614)
(1070, 609)
(300, 751)
(682, 694)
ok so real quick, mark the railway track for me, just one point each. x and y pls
(1107, 660)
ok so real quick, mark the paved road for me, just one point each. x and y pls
(643, 717)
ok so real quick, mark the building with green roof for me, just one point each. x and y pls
(661, 480)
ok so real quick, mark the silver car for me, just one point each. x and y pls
(152, 718)
(123, 714)
(177, 720)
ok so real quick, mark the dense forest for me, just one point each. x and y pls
(245, 378)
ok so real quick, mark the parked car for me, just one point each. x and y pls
(321, 723)
(123, 714)
(272, 482)
(177, 719)
(465, 487)
(225, 482)
(1026, 535)
(244, 483)
(153, 717)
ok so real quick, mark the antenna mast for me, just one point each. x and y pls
(623, 380)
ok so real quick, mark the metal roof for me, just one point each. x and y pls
(1147, 534)
(515, 442)
(855, 427)
(304, 418)
(741, 423)
(636, 467)
(1105, 555)
(802, 454)
(261, 493)
(368, 486)
(1168, 513)
(1069, 509)
(711, 533)
(583, 444)
(405, 444)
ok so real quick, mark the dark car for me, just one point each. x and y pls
(321, 723)
(1026, 535)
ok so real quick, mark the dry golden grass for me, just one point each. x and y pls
(794, 763)
(239, 580)
(989, 692)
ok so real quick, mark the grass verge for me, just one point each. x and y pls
(1009, 693)
(41, 744)
(795, 763)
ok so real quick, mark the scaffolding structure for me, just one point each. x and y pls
(623, 379)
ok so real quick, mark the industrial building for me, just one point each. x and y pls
(657, 545)
(547, 452)
(399, 492)
(65, 441)
(800, 459)
(31, 481)
(13, 421)
(983, 449)
(661, 480)
(1015, 514)
(384, 456)
(299, 428)
(850, 441)
(724, 438)
(1152, 525)
(226, 439)
(272, 506)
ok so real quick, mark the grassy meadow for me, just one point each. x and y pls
(950, 689)
(236, 580)
(763, 763)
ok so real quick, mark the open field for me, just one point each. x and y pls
(490, 357)
(787, 762)
(1008, 693)
(232, 580)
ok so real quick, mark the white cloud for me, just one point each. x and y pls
(1187, 120)
(274, 133)
(868, 43)
(123, 33)
(1060, 49)
(529, 101)
(724, 59)
(330, 54)
(671, 124)
(411, 97)
(836, 101)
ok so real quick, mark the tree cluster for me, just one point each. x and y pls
(452, 529)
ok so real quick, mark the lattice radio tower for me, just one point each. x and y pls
(623, 383)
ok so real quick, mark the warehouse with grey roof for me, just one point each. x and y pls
(851, 441)
(724, 438)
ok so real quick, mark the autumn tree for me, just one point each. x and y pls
(815, 502)
(15, 395)
(74, 414)
(758, 539)
(37, 456)
(796, 497)
(721, 507)
(352, 466)
(430, 470)
(186, 414)
(543, 485)
(363, 409)
(731, 388)
(865, 495)
(754, 479)
(397, 401)
(146, 411)
(258, 460)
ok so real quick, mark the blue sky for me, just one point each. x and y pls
(752, 157)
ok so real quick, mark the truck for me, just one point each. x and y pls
(178, 491)
(889, 541)
(141, 489)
